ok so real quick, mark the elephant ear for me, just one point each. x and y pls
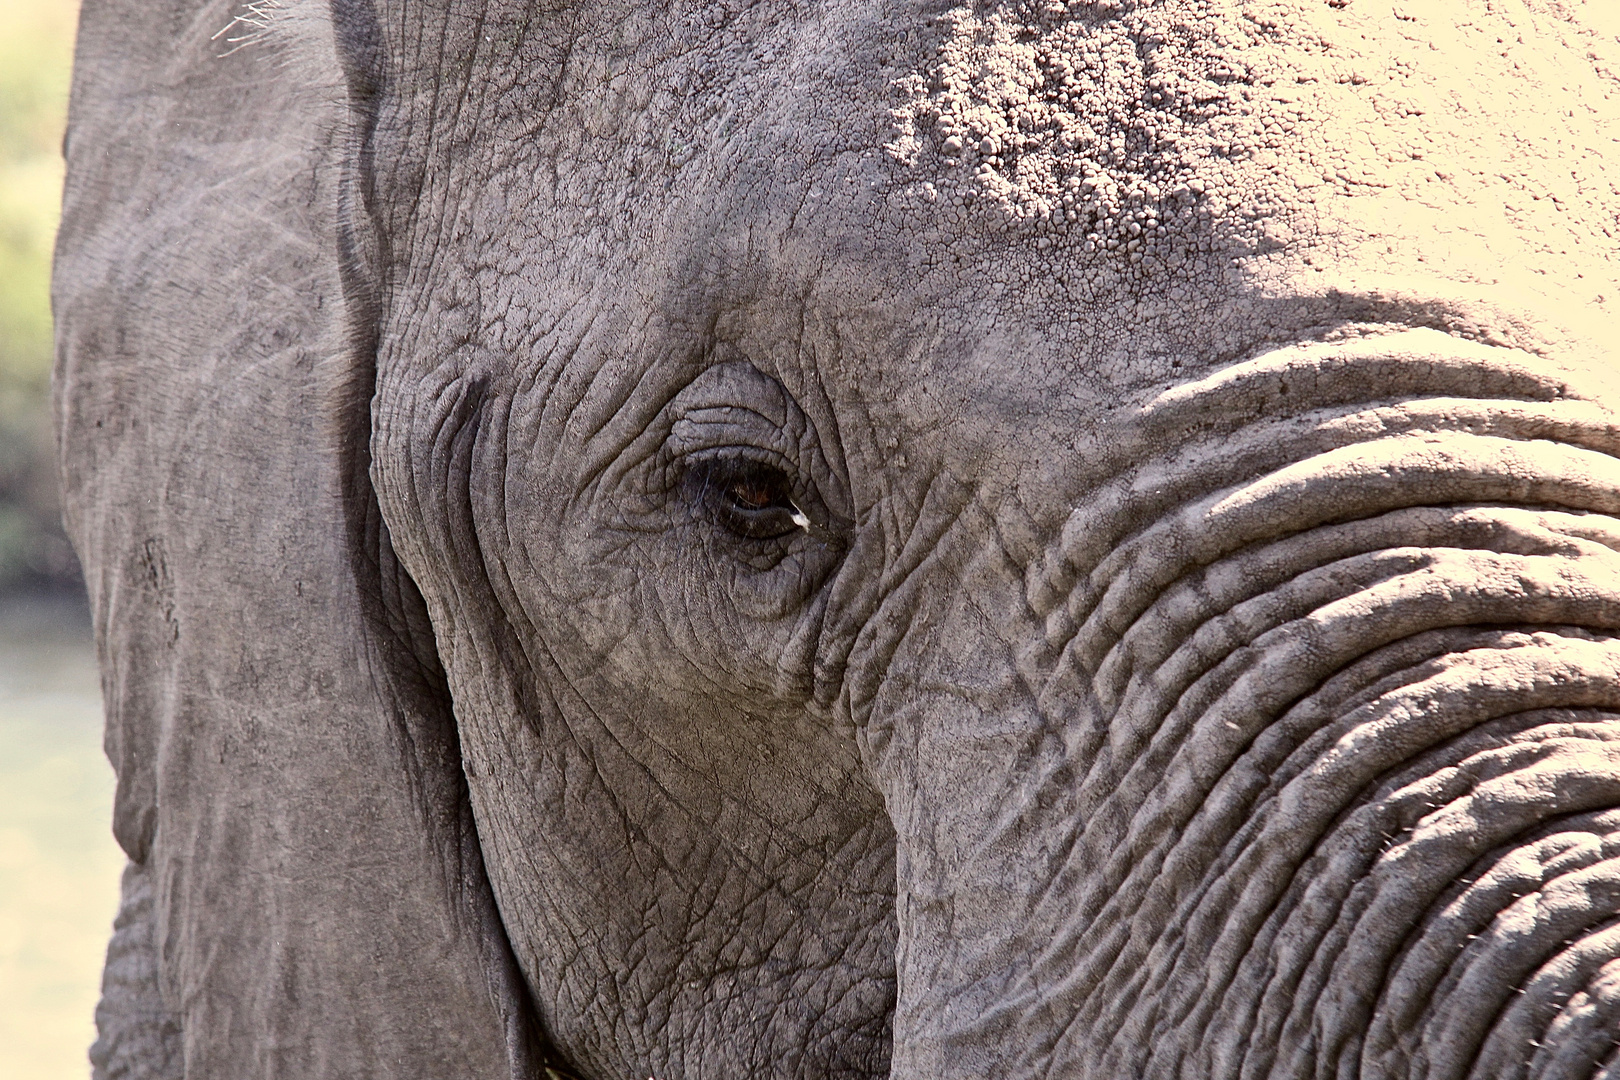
(305, 896)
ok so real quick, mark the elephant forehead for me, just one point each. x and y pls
(1458, 135)
(1261, 100)
(1037, 159)
(1062, 125)
(1159, 183)
(1105, 190)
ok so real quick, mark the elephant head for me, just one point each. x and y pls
(838, 539)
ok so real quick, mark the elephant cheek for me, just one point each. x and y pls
(1303, 757)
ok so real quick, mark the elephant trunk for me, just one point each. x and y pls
(1308, 760)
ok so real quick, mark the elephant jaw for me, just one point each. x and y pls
(1318, 773)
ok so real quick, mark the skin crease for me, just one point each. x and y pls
(1203, 638)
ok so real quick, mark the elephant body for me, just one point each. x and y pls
(838, 539)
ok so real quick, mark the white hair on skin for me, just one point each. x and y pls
(299, 35)
(249, 26)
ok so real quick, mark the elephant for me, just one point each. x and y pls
(827, 538)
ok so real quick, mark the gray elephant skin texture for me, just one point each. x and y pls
(818, 538)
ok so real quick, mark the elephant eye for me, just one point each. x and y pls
(750, 499)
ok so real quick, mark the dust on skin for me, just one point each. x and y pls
(1146, 150)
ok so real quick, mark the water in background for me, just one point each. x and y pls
(59, 865)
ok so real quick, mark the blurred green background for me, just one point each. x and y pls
(58, 864)
(36, 42)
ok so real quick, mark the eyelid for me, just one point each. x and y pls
(731, 451)
(720, 426)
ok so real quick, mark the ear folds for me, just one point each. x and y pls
(307, 897)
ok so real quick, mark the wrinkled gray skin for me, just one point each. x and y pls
(1181, 638)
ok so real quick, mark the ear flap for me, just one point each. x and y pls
(306, 896)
